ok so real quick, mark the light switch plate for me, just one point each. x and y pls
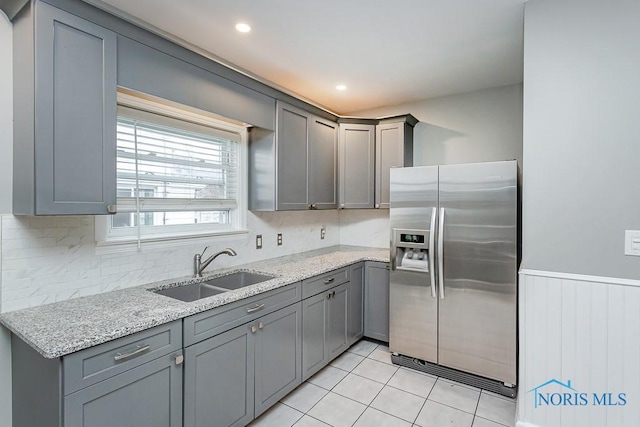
(259, 241)
(632, 242)
(279, 239)
(323, 232)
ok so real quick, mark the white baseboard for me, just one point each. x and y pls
(523, 424)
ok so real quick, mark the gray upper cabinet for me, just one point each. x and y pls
(292, 135)
(65, 116)
(357, 160)
(376, 307)
(323, 165)
(394, 148)
(306, 160)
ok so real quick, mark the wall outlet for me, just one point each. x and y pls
(632, 242)
(279, 239)
(259, 241)
(323, 232)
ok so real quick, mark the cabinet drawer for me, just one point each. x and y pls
(320, 283)
(95, 364)
(213, 322)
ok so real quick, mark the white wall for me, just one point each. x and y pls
(6, 159)
(581, 147)
(479, 126)
(579, 293)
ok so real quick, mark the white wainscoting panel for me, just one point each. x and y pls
(580, 329)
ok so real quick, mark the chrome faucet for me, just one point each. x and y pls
(199, 265)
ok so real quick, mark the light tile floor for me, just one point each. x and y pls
(362, 388)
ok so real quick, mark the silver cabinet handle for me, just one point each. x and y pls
(253, 329)
(329, 295)
(255, 308)
(333, 294)
(179, 359)
(138, 350)
(326, 282)
(441, 253)
(260, 325)
(310, 206)
(432, 252)
(112, 209)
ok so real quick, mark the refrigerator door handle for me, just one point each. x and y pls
(432, 252)
(441, 253)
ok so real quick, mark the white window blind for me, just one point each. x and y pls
(185, 172)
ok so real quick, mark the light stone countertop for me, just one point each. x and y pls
(65, 327)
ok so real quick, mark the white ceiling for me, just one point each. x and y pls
(386, 51)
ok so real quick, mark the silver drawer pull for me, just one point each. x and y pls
(118, 357)
(326, 282)
(255, 308)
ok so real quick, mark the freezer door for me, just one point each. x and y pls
(413, 310)
(477, 313)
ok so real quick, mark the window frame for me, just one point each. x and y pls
(106, 235)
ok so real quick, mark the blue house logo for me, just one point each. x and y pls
(563, 394)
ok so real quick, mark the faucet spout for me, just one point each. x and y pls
(199, 265)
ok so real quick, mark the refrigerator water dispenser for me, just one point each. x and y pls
(411, 250)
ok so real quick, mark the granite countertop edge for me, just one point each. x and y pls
(58, 329)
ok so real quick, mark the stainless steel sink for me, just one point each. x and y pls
(215, 286)
(238, 280)
(188, 293)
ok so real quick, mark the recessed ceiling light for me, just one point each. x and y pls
(242, 27)
(341, 87)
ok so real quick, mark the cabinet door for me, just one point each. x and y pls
(389, 153)
(278, 351)
(314, 353)
(75, 107)
(376, 308)
(357, 148)
(218, 380)
(292, 137)
(323, 165)
(337, 322)
(149, 395)
(355, 314)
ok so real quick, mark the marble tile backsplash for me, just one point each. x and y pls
(365, 227)
(50, 259)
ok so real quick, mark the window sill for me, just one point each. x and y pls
(130, 244)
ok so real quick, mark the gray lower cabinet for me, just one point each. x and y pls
(233, 377)
(134, 381)
(376, 306)
(65, 114)
(324, 328)
(355, 297)
(218, 380)
(147, 396)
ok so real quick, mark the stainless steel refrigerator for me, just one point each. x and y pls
(453, 279)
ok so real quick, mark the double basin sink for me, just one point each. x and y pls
(215, 286)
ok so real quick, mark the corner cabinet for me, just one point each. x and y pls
(368, 149)
(394, 148)
(306, 168)
(65, 117)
